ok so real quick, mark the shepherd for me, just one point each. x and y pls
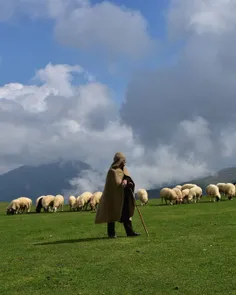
(117, 202)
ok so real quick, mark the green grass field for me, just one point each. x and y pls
(191, 250)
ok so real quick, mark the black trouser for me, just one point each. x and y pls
(127, 225)
(124, 217)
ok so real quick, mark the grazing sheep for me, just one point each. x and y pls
(13, 207)
(178, 192)
(221, 187)
(229, 190)
(185, 193)
(212, 191)
(25, 204)
(72, 202)
(83, 201)
(168, 194)
(95, 199)
(187, 186)
(58, 203)
(142, 196)
(195, 193)
(47, 203)
(178, 186)
(38, 204)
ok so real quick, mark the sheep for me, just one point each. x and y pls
(72, 202)
(187, 186)
(169, 195)
(195, 193)
(13, 207)
(25, 204)
(185, 193)
(178, 186)
(221, 187)
(179, 195)
(83, 201)
(212, 191)
(143, 196)
(47, 203)
(38, 204)
(95, 199)
(229, 190)
(58, 203)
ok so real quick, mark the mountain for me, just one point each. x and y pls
(34, 181)
(53, 178)
(224, 175)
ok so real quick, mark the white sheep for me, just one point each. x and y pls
(72, 202)
(187, 186)
(47, 203)
(58, 203)
(142, 195)
(229, 190)
(221, 187)
(195, 193)
(179, 195)
(212, 191)
(168, 194)
(95, 199)
(13, 207)
(25, 204)
(83, 201)
(178, 186)
(185, 194)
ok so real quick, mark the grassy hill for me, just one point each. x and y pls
(224, 175)
(191, 250)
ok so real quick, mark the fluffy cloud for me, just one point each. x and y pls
(202, 16)
(191, 103)
(45, 122)
(176, 123)
(104, 27)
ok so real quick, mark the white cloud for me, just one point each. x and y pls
(102, 27)
(105, 27)
(176, 124)
(80, 122)
(202, 16)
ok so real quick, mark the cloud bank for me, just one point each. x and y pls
(104, 28)
(57, 119)
(176, 123)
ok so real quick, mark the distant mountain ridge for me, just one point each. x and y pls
(53, 178)
(33, 181)
(224, 175)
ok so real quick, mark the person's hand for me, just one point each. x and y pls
(130, 184)
(124, 183)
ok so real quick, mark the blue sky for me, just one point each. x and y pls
(28, 45)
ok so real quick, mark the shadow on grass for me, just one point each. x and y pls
(71, 241)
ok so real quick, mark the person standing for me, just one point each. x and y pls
(117, 202)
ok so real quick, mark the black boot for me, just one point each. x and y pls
(111, 230)
(129, 229)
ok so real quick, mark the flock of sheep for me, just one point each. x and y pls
(50, 203)
(192, 193)
(180, 194)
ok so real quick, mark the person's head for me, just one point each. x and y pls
(119, 161)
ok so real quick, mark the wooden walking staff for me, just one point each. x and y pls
(140, 215)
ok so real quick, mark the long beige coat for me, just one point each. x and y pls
(111, 203)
